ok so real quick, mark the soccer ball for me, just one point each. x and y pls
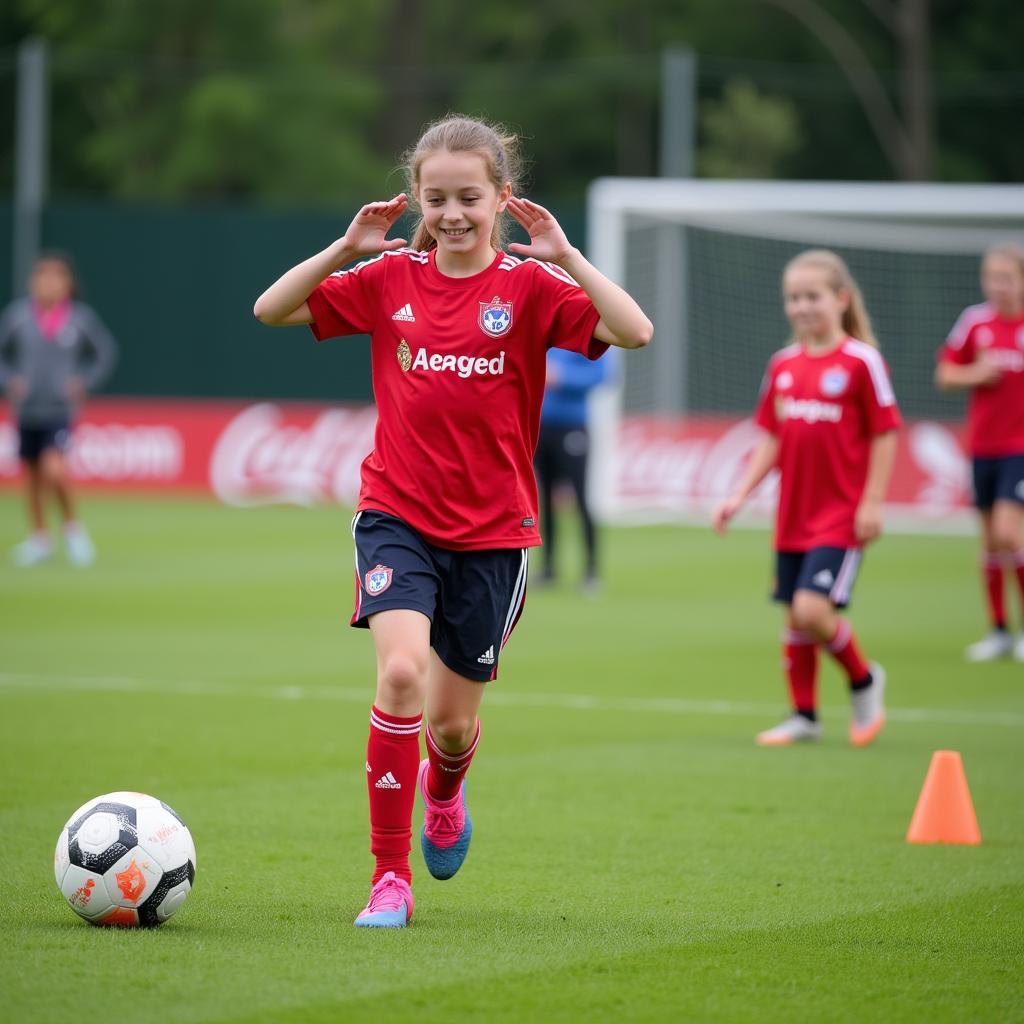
(125, 859)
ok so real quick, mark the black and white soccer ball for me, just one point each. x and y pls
(125, 859)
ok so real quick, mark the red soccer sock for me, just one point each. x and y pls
(843, 647)
(800, 660)
(446, 771)
(992, 573)
(392, 761)
(1018, 563)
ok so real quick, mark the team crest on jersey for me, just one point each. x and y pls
(834, 381)
(404, 355)
(378, 579)
(495, 317)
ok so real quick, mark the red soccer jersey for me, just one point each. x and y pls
(825, 411)
(458, 377)
(995, 414)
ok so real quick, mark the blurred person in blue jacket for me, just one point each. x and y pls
(53, 350)
(563, 450)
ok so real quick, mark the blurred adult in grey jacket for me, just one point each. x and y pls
(53, 350)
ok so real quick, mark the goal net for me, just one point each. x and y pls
(705, 258)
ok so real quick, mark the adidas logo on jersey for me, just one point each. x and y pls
(823, 578)
(387, 781)
(404, 314)
(487, 658)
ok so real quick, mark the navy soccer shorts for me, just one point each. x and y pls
(831, 572)
(33, 440)
(472, 598)
(999, 479)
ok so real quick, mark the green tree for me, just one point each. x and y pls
(312, 100)
(747, 135)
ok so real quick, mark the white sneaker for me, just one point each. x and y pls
(79, 546)
(998, 644)
(795, 729)
(32, 551)
(1018, 648)
(868, 708)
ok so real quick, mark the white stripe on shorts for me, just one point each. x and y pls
(518, 593)
(355, 552)
(840, 592)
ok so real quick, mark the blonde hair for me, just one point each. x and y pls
(855, 320)
(455, 133)
(1011, 251)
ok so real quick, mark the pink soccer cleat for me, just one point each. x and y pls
(390, 904)
(447, 829)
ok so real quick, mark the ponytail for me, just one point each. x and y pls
(856, 321)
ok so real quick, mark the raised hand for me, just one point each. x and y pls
(547, 239)
(367, 234)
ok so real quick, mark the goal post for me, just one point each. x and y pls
(704, 259)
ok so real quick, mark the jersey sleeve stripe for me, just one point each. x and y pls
(413, 254)
(555, 271)
(884, 394)
(358, 266)
(969, 318)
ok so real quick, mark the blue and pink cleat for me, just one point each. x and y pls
(390, 904)
(447, 829)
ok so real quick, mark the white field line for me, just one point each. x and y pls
(20, 681)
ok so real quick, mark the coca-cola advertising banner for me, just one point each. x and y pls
(246, 453)
(669, 468)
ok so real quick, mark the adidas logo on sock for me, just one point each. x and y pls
(487, 658)
(405, 314)
(388, 781)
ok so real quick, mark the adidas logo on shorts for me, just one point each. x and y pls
(487, 658)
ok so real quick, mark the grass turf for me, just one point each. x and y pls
(635, 857)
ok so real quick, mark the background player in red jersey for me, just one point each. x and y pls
(830, 415)
(985, 355)
(448, 503)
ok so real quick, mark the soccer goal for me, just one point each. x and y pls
(705, 258)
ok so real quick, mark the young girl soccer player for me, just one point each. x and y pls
(448, 505)
(53, 350)
(985, 355)
(830, 415)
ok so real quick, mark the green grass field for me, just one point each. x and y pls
(635, 857)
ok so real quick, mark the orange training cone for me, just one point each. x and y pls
(945, 812)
